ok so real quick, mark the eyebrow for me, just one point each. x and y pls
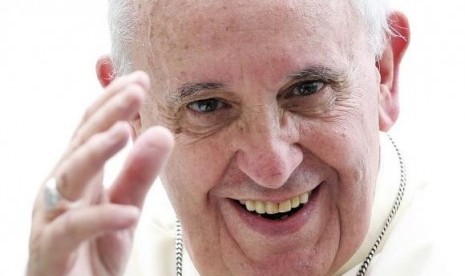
(322, 72)
(325, 73)
(190, 89)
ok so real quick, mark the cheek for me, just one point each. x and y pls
(348, 148)
(192, 171)
(346, 142)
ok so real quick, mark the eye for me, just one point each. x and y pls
(307, 88)
(206, 106)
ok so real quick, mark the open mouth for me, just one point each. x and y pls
(276, 210)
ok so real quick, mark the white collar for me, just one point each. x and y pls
(387, 186)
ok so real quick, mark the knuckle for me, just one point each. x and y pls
(78, 140)
(96, 148)
(63, 181)
(68, 229)
(87, 114)
(130, 98)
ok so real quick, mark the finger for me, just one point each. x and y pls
(119, 84)
(142, 166)
(122, 107)
(76, 226)
(75, 172)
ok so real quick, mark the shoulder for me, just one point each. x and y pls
(413, 247)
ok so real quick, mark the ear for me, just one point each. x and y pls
(388, 67)
(105, 70)
(106, 74)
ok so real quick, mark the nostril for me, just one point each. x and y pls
(270, 171)
(268, 161)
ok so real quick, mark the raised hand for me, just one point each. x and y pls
(78, 227)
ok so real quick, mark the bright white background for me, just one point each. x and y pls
(47, 55)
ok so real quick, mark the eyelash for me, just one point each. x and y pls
(320, 84)
(217, 104)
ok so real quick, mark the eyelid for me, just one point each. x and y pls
(222, 104)
(189, 105)
(287, 90)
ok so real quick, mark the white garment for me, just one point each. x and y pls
(408, 248)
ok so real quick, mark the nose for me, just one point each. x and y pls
(268, 151)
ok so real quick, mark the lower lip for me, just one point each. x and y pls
(278, 227)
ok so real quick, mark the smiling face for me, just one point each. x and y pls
(274, 106)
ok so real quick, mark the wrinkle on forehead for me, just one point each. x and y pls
(175, 31)
(169, 22)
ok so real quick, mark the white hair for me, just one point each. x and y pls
(123, 22)
(122, 19)
(374, 14)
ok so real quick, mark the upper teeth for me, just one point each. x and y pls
(272, 208)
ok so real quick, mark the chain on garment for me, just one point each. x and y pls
(178, 248)
(364, 267)
(400, 195)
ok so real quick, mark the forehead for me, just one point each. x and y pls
(216, 33)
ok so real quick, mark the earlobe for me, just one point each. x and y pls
(105, 70)
(388, 67)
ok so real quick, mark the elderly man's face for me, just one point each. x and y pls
(274, 105)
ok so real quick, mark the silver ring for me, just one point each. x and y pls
(52, 195)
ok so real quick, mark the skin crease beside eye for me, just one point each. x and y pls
(185, 122)
(191, 121)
